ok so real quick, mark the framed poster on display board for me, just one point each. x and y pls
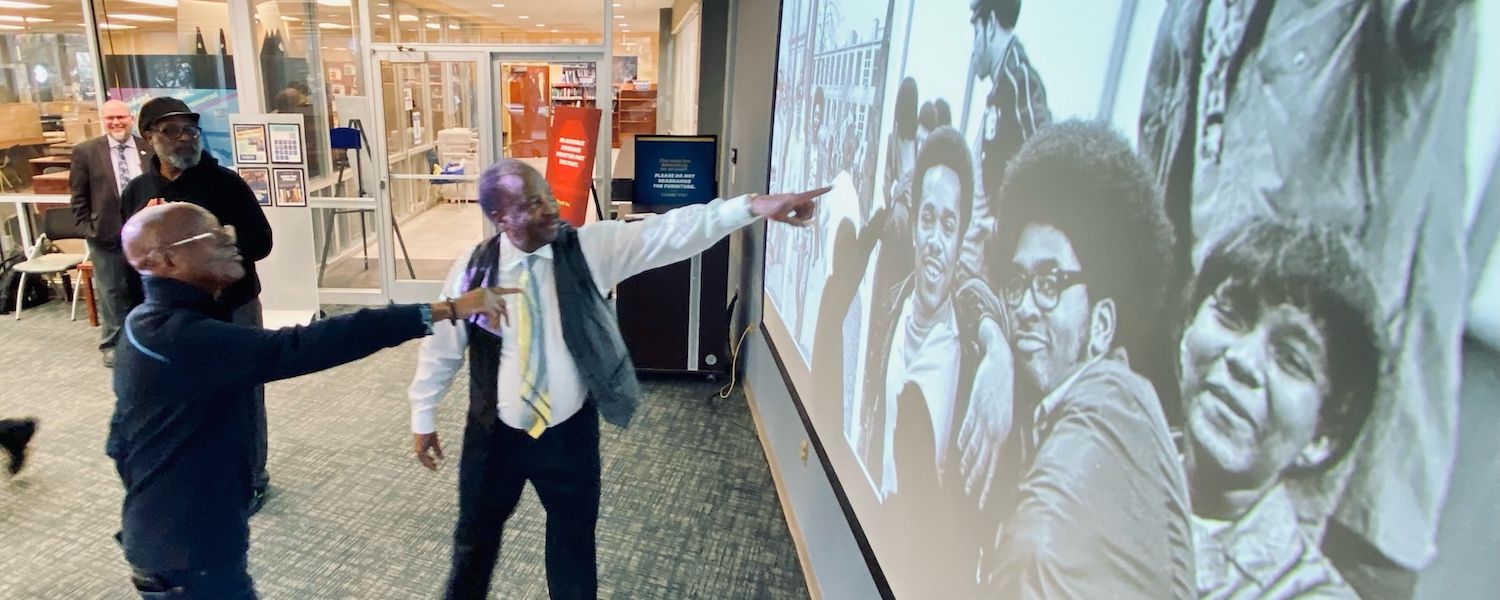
(291, 188)
(286, 144)
(250, 146)
(259, 180)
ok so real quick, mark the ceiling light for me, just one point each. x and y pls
(452, 26)
(434, 26)
(408, 18)
(167, 3)
(113, 26)
(10, 27)
(619, 16)
(12, 4)
(13, 19)
(497, 6)
(292, 19)
(523, 17)
(617, 5)
(554, 31)
(139, 18)
(541, 24)
(331, 26)
(339, 3)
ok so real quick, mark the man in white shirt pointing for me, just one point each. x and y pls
(538, 379)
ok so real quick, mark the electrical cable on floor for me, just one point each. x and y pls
(734, 364)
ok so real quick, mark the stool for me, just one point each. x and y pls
(86, 273)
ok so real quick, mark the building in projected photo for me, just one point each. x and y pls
(828, 105)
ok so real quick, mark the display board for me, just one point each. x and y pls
(1137, 299)
(271, 153)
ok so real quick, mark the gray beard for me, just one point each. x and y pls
(183, 162)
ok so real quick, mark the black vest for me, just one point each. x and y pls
(590, 331)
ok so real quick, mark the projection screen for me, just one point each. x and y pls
(1142, 299)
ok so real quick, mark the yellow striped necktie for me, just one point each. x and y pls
(533, 351)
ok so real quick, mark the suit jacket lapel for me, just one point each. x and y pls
(142, 150)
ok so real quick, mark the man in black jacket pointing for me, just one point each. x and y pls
(184, 375)
(182, 171)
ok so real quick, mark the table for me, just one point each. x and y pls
(40, 164)
(51, 183)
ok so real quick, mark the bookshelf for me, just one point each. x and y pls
(574, 86)
(635, 113)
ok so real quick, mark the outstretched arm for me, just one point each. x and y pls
(243, 356)
(616, 250)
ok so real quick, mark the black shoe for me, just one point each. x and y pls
(257, 501)
(15, 434)
(109, 358)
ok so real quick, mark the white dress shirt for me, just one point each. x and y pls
(132, 156)
(615, 250)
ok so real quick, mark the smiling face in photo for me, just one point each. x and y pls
(1050, 333)
(937, 235)
(1253, 379)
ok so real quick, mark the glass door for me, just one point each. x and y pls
(436, 116)
(534, 86)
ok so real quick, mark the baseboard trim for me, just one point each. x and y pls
(803, 557)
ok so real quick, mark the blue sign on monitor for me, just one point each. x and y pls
(675, 169)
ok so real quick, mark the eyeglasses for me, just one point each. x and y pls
(226, 231)
(175, 132)
(1046, 288)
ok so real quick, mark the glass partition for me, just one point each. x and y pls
(434, 116)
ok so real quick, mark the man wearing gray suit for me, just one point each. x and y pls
(101, 168)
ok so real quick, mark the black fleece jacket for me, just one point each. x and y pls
(224, 194)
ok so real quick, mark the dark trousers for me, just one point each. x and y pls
(222, 583)
(563, 466)
(113, 280)
(249, 313)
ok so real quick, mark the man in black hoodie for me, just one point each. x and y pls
(182, 171)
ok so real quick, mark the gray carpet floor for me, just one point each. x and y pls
(689, 508)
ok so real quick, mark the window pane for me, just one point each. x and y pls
(47, 97)
(309, 58)
(181, 49)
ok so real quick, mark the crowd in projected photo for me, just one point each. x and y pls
(1158, 299)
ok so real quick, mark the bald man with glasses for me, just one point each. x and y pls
(182, 171)
(184, 385)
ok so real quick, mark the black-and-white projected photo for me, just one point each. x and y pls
(1148, 298)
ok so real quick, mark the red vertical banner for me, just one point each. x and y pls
(570, 159)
